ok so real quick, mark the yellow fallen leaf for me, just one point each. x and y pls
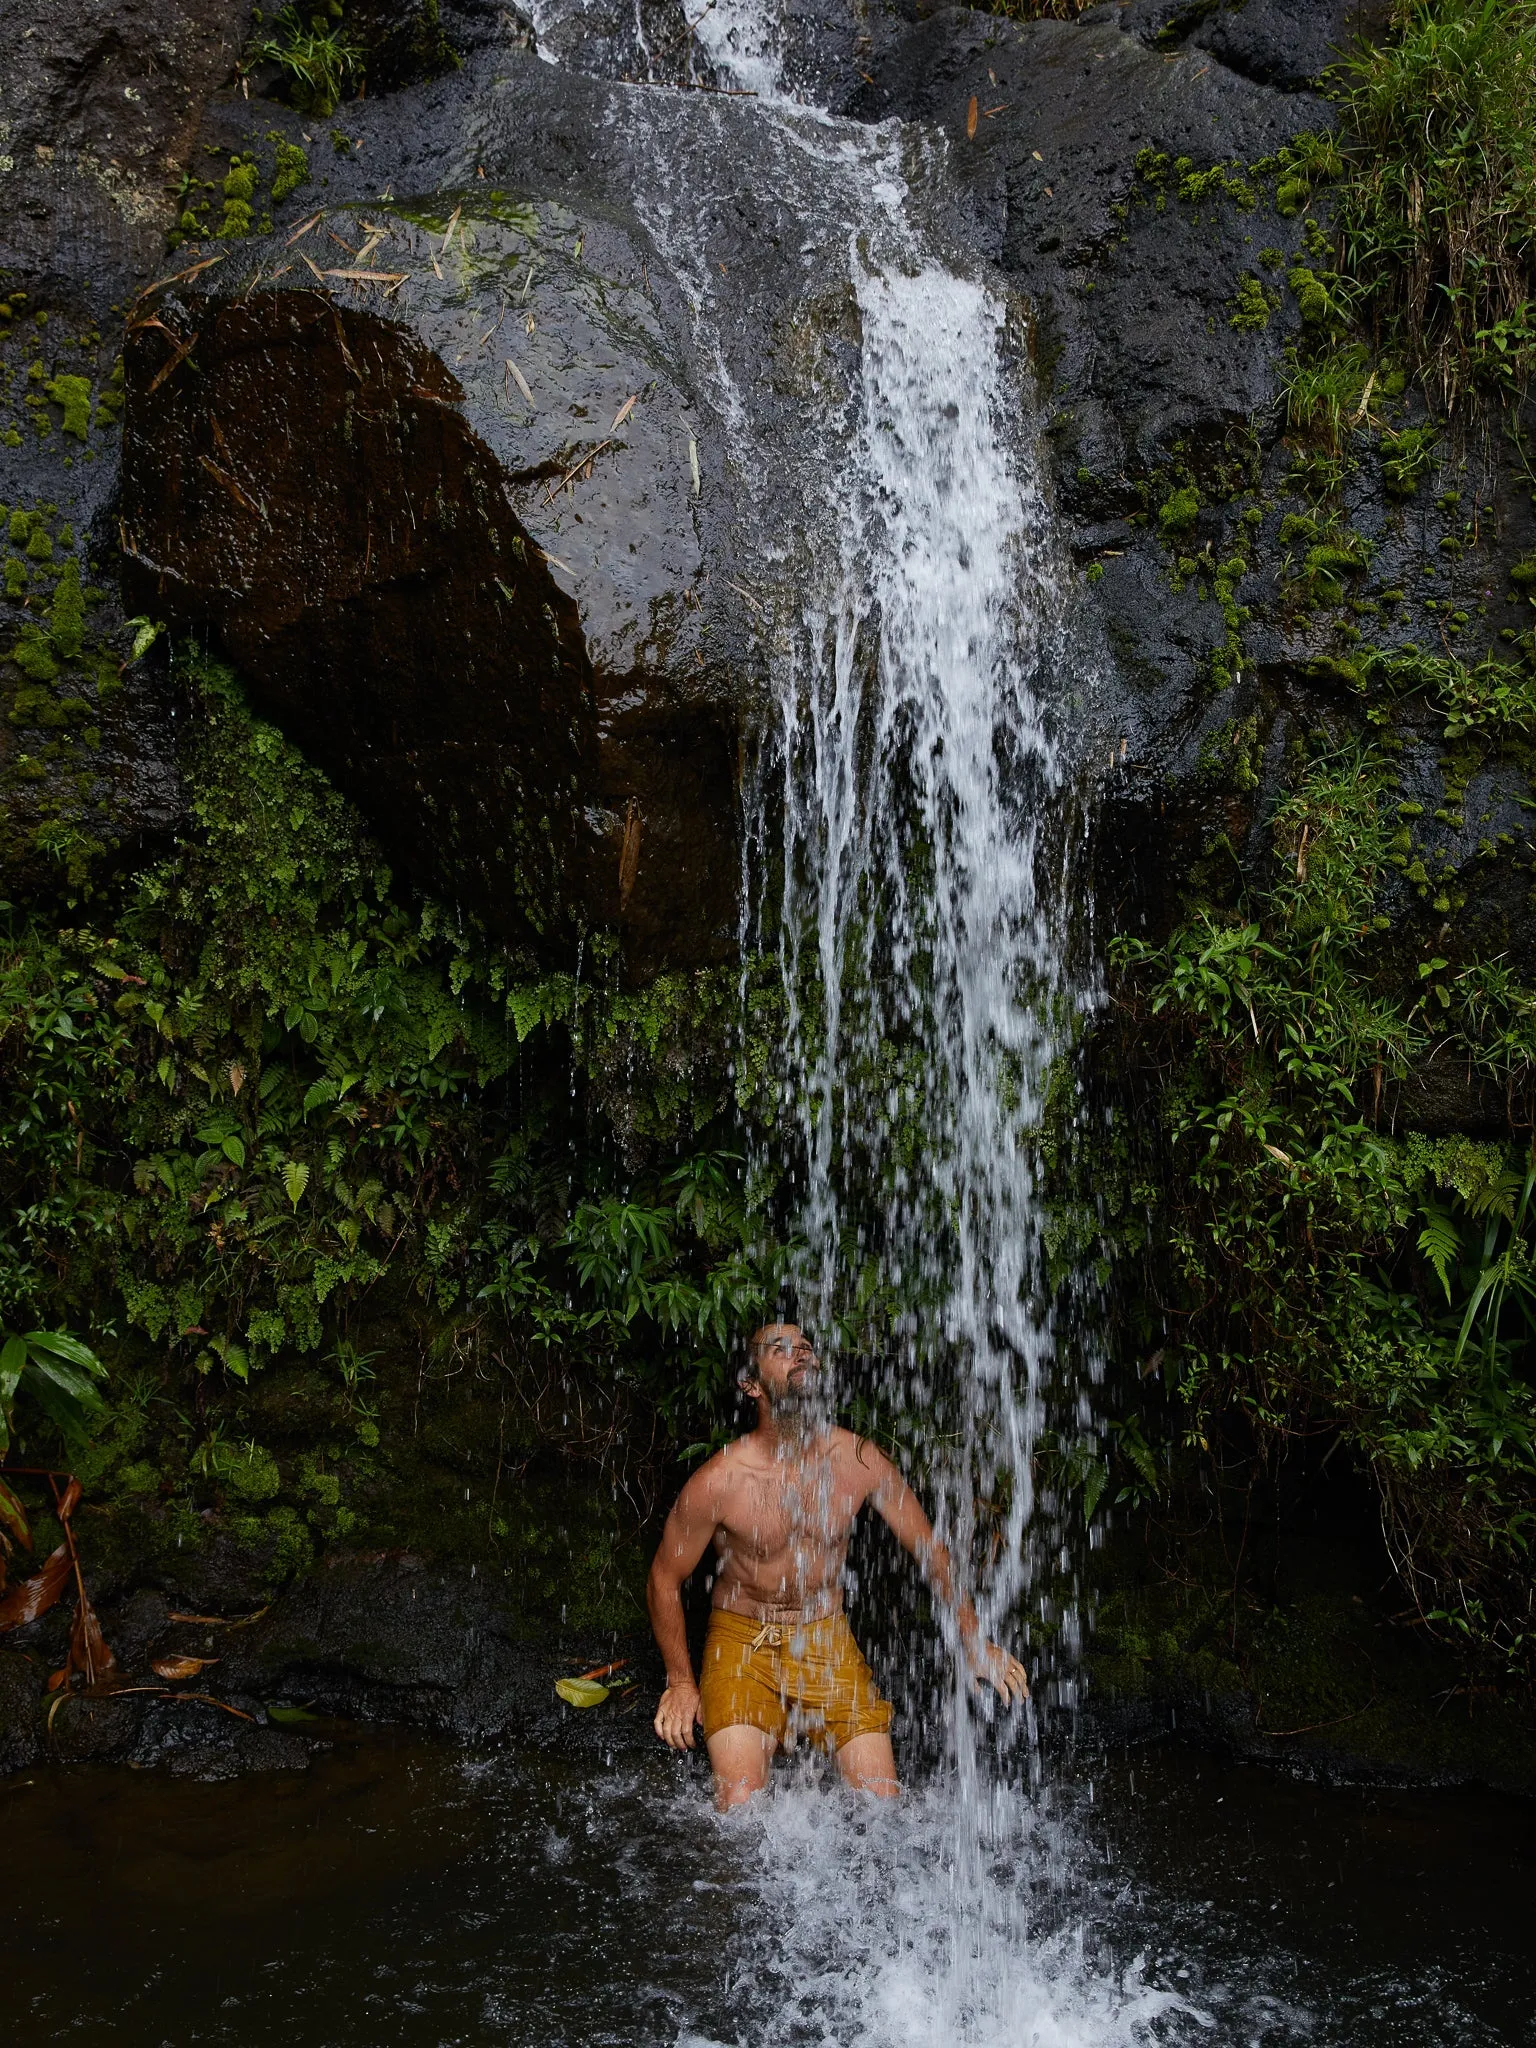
(581, 1692)
(181, 1667)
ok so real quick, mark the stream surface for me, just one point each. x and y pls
(402, 1892)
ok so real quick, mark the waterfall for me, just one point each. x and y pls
(905, 863)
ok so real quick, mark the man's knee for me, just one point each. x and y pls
(868, 1764)
(740, 1758)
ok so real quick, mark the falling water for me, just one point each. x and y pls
(908, 866)
(905, 864)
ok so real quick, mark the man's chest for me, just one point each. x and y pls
(765, 1513)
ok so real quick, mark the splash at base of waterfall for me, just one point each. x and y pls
(860, 1927)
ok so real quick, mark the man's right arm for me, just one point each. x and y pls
(690, 1528)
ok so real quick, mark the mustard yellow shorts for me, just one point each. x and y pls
(808, 1681)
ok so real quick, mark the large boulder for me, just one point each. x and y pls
(433, 489)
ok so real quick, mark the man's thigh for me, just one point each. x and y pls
(868, 1763)
(740, 1757)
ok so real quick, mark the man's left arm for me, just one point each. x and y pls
(903, 1514)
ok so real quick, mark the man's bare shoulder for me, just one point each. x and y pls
(864, 1461)
(731, 1462)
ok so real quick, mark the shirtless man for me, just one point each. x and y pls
(780, 1661)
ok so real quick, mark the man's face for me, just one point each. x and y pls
(785, 1366)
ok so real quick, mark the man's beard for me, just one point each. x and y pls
(803, 1405)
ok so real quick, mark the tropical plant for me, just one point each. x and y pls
(318, 59)
(55, 1371)
(1437, 202)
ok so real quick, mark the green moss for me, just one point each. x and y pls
(73, 394)
(1406, 458)
(66, 614)
(1254, 305)
(290, 168)
(1179, 511)
(34, 657)
(1317, 304)
(239, 190)
(40, 543)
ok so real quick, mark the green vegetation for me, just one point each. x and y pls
(1305, 1268)
(323, 57)
(1254, 305)
(319, 61)
(1437, 192)
(262, 1118)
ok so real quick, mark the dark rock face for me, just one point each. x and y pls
(386, 548)
(1149, 376)
(102, 100)
(100, 104)
(311, 494)
(362, 1639)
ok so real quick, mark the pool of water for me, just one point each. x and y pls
(399, 1892)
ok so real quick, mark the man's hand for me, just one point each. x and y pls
(677, 1714)
(992, 1665)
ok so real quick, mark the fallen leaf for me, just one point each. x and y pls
(603, 1670)
(629, 867)
(236, 1077)
(581, 1692)
(970, 118)
(522, 381)
(221, 1620)
(89, 1652)
(180, 1667)
(284, 1716)
(624, 411)
(34, 1596)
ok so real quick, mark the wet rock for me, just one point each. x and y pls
(101, 100)
(387, 546)
(21, 1710)
(577, 414)
(94, 1729)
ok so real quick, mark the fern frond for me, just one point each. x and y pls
(1440, 1243)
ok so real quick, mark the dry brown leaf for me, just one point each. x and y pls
(34, 1596)
(629, 852)
(221, 1620)
(180, 1667)
(970, 119)
(89, 1650)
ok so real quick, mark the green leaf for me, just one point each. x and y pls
(60, 1344)
(295, 1180)
(146, 633)
(581, 1692)
(1440, 1243)
(233, 1150)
